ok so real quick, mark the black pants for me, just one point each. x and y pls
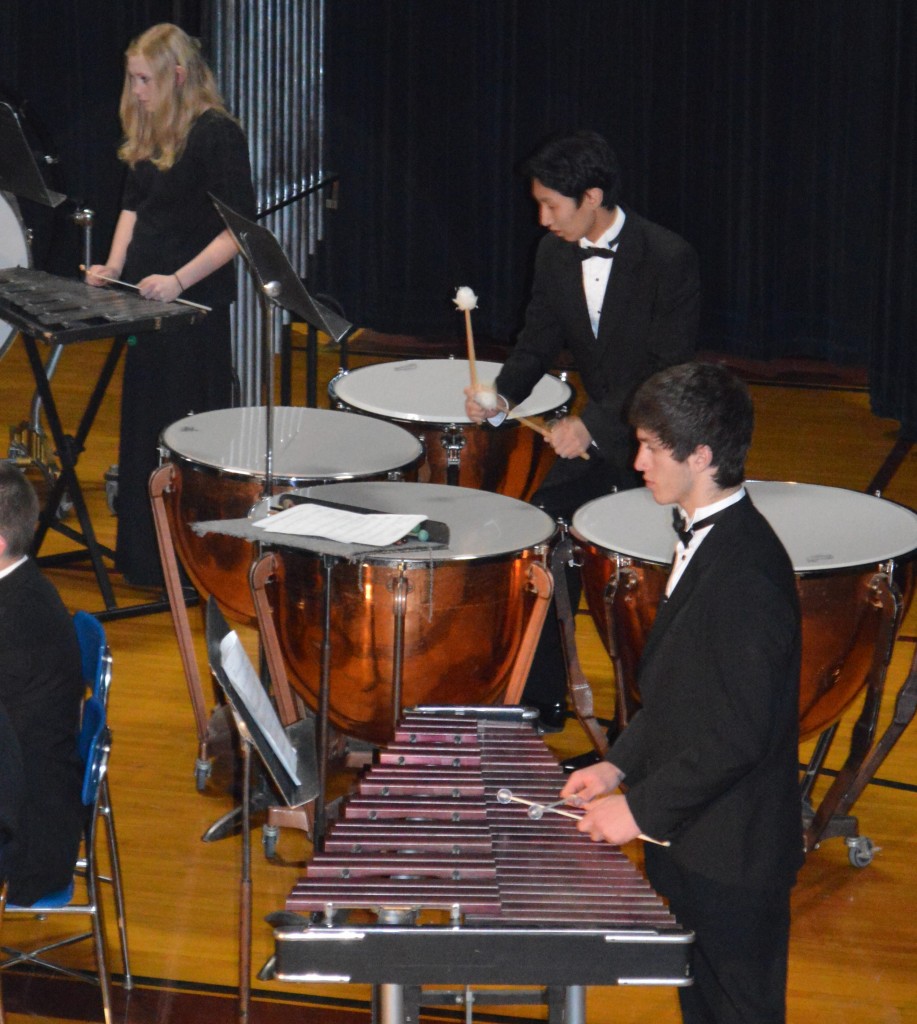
(167, 376)
(568, 486)
(740, 948)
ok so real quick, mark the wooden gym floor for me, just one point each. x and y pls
(854, 945)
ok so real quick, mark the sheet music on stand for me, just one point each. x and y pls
(288, 754)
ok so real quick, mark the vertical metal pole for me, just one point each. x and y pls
(575, 1005)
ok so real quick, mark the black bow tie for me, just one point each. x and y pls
(685, 532)
(586, 252)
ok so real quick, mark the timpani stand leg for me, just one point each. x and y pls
(161, 482)
(323, 741)
(577, 685)
(261, 572)
(831, 818)
(453, 441)
(813, 768)
(541, 583)
(400, 588)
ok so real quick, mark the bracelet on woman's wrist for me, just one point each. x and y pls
(180, 285)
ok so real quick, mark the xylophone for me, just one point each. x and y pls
(428, 879)
(63, 309)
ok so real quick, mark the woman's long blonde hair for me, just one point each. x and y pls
(160, 135)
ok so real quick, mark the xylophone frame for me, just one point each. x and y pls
(450, 888)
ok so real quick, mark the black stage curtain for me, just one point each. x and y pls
(778, 138)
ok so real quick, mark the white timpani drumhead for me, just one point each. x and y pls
(481, 524)
(821, 527)
(308, 444)
(432, 390)
(14, 252)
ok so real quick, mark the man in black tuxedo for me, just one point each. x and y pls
(41, 691)
(622, 295)
(710, 761)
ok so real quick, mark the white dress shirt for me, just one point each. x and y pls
(597, 270)
(683, 555)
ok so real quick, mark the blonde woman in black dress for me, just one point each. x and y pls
(180, 143)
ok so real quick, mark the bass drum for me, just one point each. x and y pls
(426, 397)
(837, 540)
(14, 252)
(425, 625)
(218, 461)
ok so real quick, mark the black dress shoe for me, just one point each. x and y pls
(551, 717)
(573, 764)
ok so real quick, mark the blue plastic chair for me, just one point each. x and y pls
(95, 654)
(96, 661)
(94, 744)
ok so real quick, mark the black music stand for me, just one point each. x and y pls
(280, 287)
(258, 727)
(19, 173)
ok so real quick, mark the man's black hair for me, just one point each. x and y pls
(694, 404)
(571, 164)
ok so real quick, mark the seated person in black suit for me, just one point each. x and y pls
(710, 761)
(11, 783)
(41, 692)
(621, 294)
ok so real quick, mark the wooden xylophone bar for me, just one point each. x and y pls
(428, 879)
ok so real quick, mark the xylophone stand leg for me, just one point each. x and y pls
(388, 1005)
(575, 1005)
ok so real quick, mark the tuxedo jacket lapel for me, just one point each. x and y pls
(621, 292)
(670, 608)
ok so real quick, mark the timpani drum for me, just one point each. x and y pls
(426, 397)
(443, 625)
(14, 252)
(844, 546)
(218, 461)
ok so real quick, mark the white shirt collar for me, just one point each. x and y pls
(708, 510)
(12, 568)
(609, 235)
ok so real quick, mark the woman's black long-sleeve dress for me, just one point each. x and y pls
(169, 374)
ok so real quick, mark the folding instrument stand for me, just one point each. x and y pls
(256, 724)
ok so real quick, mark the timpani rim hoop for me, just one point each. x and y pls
(309, 446)
(841, 528)
(431, 391)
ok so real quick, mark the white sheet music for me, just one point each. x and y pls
(377, 528)
(241, 672)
